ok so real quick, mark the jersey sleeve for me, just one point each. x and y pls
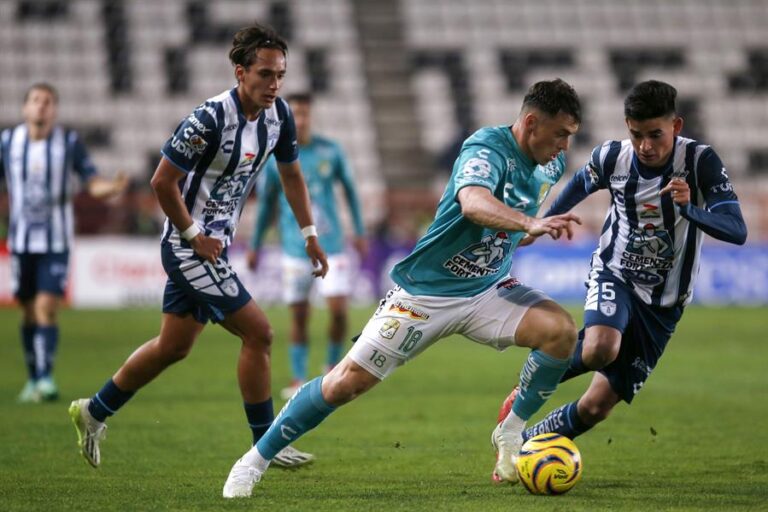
(345, 176)
(478, 165)
(287, 147)
(192, 137)
(81, 162)
(593, 170)
(722, 218)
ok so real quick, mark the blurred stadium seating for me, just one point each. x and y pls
(398, 83)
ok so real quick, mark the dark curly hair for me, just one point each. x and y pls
(249, 40)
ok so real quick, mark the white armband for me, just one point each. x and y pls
(191, 232)
(308, 231)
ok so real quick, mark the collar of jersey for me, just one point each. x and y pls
(240, 111)
(530, 165)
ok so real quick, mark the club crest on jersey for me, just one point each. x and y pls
(389, 328)
(409, 310)
(608, 308)
(229, 287)
(594, 175)
(543, 191)
(481, 259)
(197, 143)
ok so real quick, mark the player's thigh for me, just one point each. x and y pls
(250, 324)
(338, 281)
(402, 327)
(297, 279)
(502, 315)
(24, 277)
(52, 273)
(179, 332)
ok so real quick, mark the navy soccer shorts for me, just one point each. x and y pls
(209, 291)
(645, 332)
(33, 273)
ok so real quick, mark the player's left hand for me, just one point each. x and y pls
(678, 188)
(317, 256)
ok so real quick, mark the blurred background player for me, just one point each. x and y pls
(39, 159)
(207, 170)
(500, 179)
(324, 164)
(666, 192)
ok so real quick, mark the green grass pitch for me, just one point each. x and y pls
(695, 439)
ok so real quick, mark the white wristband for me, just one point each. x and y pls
(191, 232)
(308, 231)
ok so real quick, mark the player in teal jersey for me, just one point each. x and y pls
(456, 282)
(324, 165)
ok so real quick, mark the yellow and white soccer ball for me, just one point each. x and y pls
(549, 464)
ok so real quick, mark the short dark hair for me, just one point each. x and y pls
(299, 97)
(649, 100)
(553, 97)
(249, 40)
(42, 86)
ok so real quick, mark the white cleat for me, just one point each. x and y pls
(290, 457)
(507, 451)
(287, 392)
(241, 480)
(89, 431)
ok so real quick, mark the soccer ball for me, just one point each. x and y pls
(549, 464)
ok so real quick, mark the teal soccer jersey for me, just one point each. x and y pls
(457, 258)
(323, 164)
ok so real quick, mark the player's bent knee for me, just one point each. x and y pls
(561, 336)
(346, 382)
(600, 352)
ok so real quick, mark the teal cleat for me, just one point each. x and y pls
(47, 389)
(29, 393)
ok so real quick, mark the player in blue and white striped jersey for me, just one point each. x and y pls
(40, 160)
(206, 172)
(666, 192)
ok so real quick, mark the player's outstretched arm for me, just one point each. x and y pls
(481, 207)
(102, 188)
(165, 183)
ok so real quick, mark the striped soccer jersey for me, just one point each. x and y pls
(645, 241)
(38, 175)
(221, 153)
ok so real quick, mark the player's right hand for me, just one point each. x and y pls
(206, 247)
(554, 226)
(317, 257)
(252, 259)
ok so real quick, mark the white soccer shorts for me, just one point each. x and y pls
(404, 325)
(298, 278)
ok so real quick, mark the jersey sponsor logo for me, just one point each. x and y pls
(247, 160)
(551, 170)
(273, 122)
(409, 310)
(722, 187)
(649, 211)
(481, 259)
(198, 124)
(594, 174)
(679, 174)
(648, 251)
(389, 328)
(618, 178)
(185, 148)
(476, 168)
(228, 128)
(509, 284)
(608, 308)
(226, 194)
